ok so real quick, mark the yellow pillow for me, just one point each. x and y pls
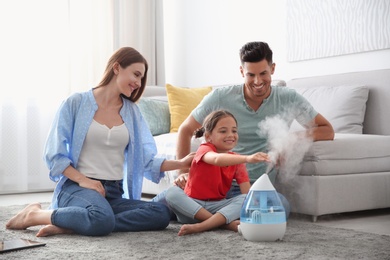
(182, 101)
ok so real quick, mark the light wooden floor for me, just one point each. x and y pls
(372, 221)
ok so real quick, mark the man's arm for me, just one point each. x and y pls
(185, 133)
(183, 146)
(322, 129)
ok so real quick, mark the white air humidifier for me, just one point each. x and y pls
(262, 217)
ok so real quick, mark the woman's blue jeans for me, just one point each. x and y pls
(88, 213)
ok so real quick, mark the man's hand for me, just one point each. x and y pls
(181, 180)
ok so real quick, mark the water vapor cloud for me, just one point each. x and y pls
(286, 148)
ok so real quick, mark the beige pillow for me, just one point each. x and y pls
(182, 101)
(343, 106)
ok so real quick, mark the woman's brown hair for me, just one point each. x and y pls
(125, 56)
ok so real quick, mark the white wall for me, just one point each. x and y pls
(202, 39)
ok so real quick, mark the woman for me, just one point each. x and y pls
(99, 147)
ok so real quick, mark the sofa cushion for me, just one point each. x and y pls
(343, 106)
(166, 145)
(156, 114)
(182, 101)
(366, 153)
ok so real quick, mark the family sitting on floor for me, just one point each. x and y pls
(99, 149)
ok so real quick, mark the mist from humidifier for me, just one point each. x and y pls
(263, 217)
(283, 145)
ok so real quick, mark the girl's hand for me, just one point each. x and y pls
(93, 185)
(258, 157)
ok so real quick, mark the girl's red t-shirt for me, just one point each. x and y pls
(210, 182)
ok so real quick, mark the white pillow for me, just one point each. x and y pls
(343, 106)
(166, 145)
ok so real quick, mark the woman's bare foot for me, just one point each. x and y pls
(233, 226)
(51, 230)
(22, 219)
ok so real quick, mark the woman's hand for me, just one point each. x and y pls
(93, 185)
(183, 164)
(187, 160)
(84, 181)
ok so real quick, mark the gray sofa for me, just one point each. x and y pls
(350, 173)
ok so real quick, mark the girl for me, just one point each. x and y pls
(203, 204)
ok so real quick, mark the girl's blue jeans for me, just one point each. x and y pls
(88, 213)
(233, 192)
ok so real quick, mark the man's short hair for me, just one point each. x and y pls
(255, 52)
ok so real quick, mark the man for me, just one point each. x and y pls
(251, 103)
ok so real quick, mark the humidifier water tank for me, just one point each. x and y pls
(262, 216)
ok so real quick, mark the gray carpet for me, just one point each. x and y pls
(303, 240)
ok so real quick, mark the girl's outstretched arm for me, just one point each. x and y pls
(226, 159)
